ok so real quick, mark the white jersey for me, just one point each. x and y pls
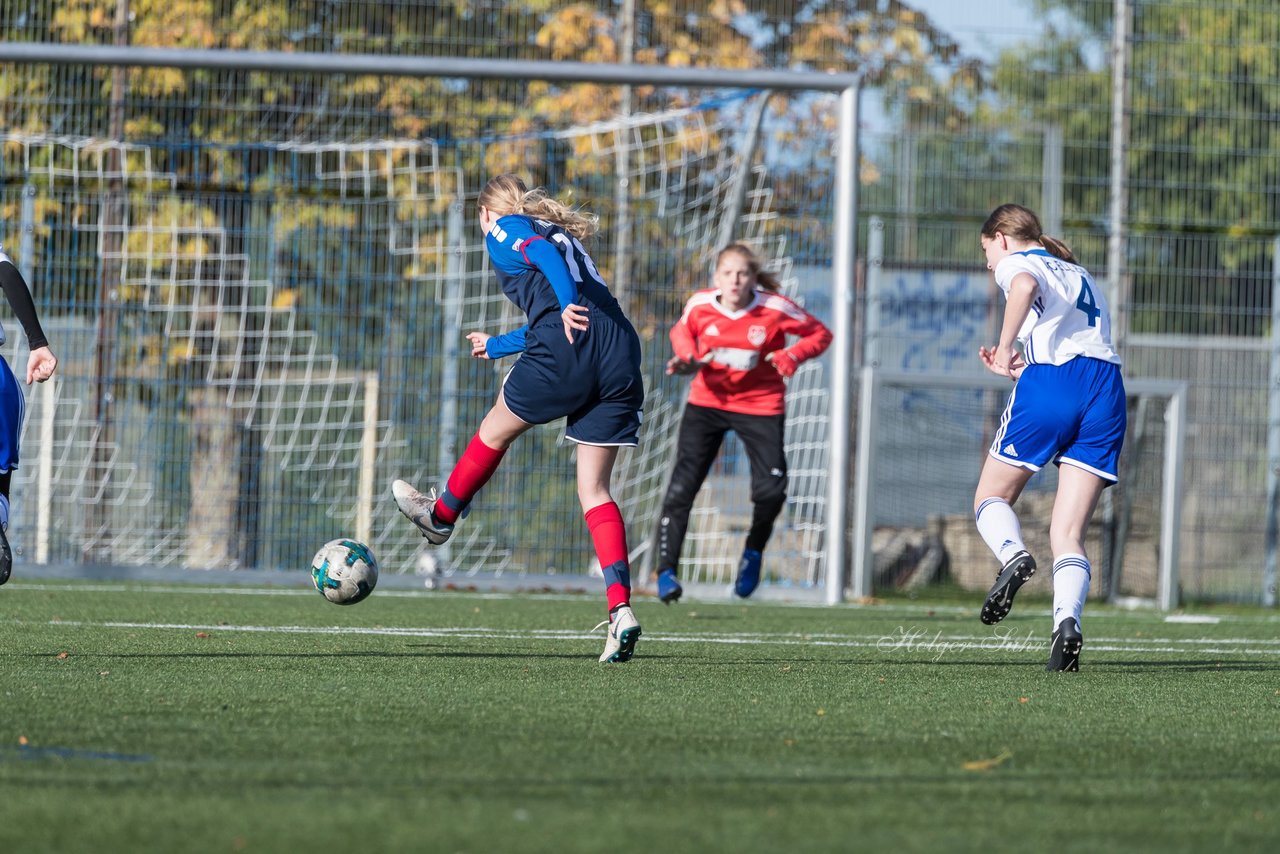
(1068, 316)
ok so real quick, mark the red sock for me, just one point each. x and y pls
(609, 536)
(473, 471)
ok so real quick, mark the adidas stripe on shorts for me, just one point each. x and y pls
(1072, 413)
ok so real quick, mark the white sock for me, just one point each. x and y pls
(1070, 587)
(999, 527)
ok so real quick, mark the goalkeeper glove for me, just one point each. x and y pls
(783, 362)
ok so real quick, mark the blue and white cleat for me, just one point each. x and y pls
(669, 589)
(748, 573)
(624, 631)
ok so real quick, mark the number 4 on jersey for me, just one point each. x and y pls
(1086, 303)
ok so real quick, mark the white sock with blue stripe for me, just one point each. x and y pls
(1071, 575)
(1000, 529)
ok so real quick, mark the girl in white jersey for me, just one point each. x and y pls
(1067, 407)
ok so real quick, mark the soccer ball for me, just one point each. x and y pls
(344, 571)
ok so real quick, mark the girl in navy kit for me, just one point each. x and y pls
(1067, 407)
(579, 359)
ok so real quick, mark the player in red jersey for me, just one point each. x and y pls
(733, 339)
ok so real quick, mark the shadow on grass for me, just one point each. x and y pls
(790, 661)
(699, 617)
(564, 655)
(1219, 665)
(1223, 665)
(425, 653)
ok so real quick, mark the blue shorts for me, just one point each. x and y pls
(594, 383)
(1072, 413)
(13, 407)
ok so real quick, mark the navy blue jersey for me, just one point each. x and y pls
(593, 382)
(536, 280)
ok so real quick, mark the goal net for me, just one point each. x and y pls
(253, 347)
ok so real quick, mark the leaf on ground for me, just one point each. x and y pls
(988, 764)
(202, 634)
(63, 656)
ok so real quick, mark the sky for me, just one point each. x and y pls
(982, 27)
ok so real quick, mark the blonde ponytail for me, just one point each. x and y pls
(507, 194)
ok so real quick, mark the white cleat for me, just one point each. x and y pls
(417, 507)
(624, 631)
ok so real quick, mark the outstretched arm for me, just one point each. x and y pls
(485, 346)
(42, 363)
(683, 342)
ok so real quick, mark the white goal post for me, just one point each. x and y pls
(873, 384)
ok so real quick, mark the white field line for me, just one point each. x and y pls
(303, 589)
(937, 644)
(885, 610)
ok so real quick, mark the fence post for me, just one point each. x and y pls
(1171, 501)
(875, 287)
(368, 459)
(44, 471)
(864, 519)
(454, 274)
(1273, 436)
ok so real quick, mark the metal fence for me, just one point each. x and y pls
(255, 279)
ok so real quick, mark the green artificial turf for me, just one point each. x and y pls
(182, 719)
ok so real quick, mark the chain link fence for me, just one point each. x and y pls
(257, 281)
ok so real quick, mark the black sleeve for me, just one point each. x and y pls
(16, 291)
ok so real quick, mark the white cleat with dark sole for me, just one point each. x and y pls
(417, 509)
(624, 631)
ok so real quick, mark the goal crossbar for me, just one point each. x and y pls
(426, 66)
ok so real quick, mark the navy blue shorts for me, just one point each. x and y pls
(1072, 413)
(12, 408)
(594, 383)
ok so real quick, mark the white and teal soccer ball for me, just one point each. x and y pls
(344, 571)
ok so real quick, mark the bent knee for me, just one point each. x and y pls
(772, 494)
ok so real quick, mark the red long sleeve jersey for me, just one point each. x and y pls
(738, 379)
